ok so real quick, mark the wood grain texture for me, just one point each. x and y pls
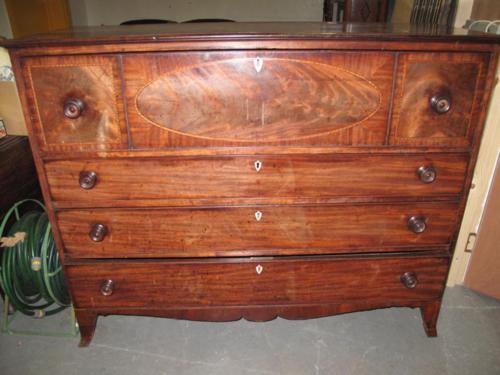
(291, 176)
(258, 99)
(255, 231)
(430, 315)
(304, 44)
(92, 79)
(262, 313)
(237, 283)
(28, 17)
(86, 324)
(171, 153)
(420, 77)
(275, 32)
(341, 189)
(215, 98)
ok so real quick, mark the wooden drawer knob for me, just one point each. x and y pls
(98, 232)
(427, 174)
(73, 108)
(441, 103)
(87, 179)
(409, 279)
(107, 287)
(417, 224)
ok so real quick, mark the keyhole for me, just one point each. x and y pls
(258, 215)
(259, 269)
(258, 165)
(257, 64)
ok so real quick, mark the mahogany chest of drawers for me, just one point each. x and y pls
(225, 171)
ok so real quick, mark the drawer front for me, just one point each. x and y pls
(264, 176)
(76, 103)
(438, 99)
(258, 97)
(189, 232)
(257, 282)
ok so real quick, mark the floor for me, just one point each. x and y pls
(389, 341)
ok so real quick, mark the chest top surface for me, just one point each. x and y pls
(251, 31)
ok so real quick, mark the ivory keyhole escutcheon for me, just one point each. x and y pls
(258, 215)
(258, 62)
(258, 165)
(259, 269)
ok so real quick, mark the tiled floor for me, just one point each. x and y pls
(386, 342)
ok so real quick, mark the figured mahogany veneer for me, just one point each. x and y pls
(295, 176)
(457, 78)
(217, 172)
(260, 230)
(265, 281)
(76, 102)
(256, 97)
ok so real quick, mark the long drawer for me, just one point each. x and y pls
(292, 176)
(263, 230)
(257, 282)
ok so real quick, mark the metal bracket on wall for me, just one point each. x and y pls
(471, 242)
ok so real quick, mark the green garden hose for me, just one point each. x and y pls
(30, 272)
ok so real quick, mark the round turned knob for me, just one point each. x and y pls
(427, 174)
(107, 287)
(409, 279)
(98, 232)
(417, 224)
(73, 108)
(87, 179)
(441, 103)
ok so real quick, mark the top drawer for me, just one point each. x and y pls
(76, 103)
(254, 98)
(239, 98)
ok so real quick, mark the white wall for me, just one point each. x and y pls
(464, 11)
(78, 11)
(5, 29)
(112, 12)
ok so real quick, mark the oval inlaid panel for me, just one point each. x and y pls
(252, 100)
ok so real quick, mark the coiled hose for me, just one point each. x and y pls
(31, 274)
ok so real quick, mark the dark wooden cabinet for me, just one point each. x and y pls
(356, 10)
(17, 172)
(218, 172)
(365, 10)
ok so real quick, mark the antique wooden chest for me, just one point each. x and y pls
(225, 171)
